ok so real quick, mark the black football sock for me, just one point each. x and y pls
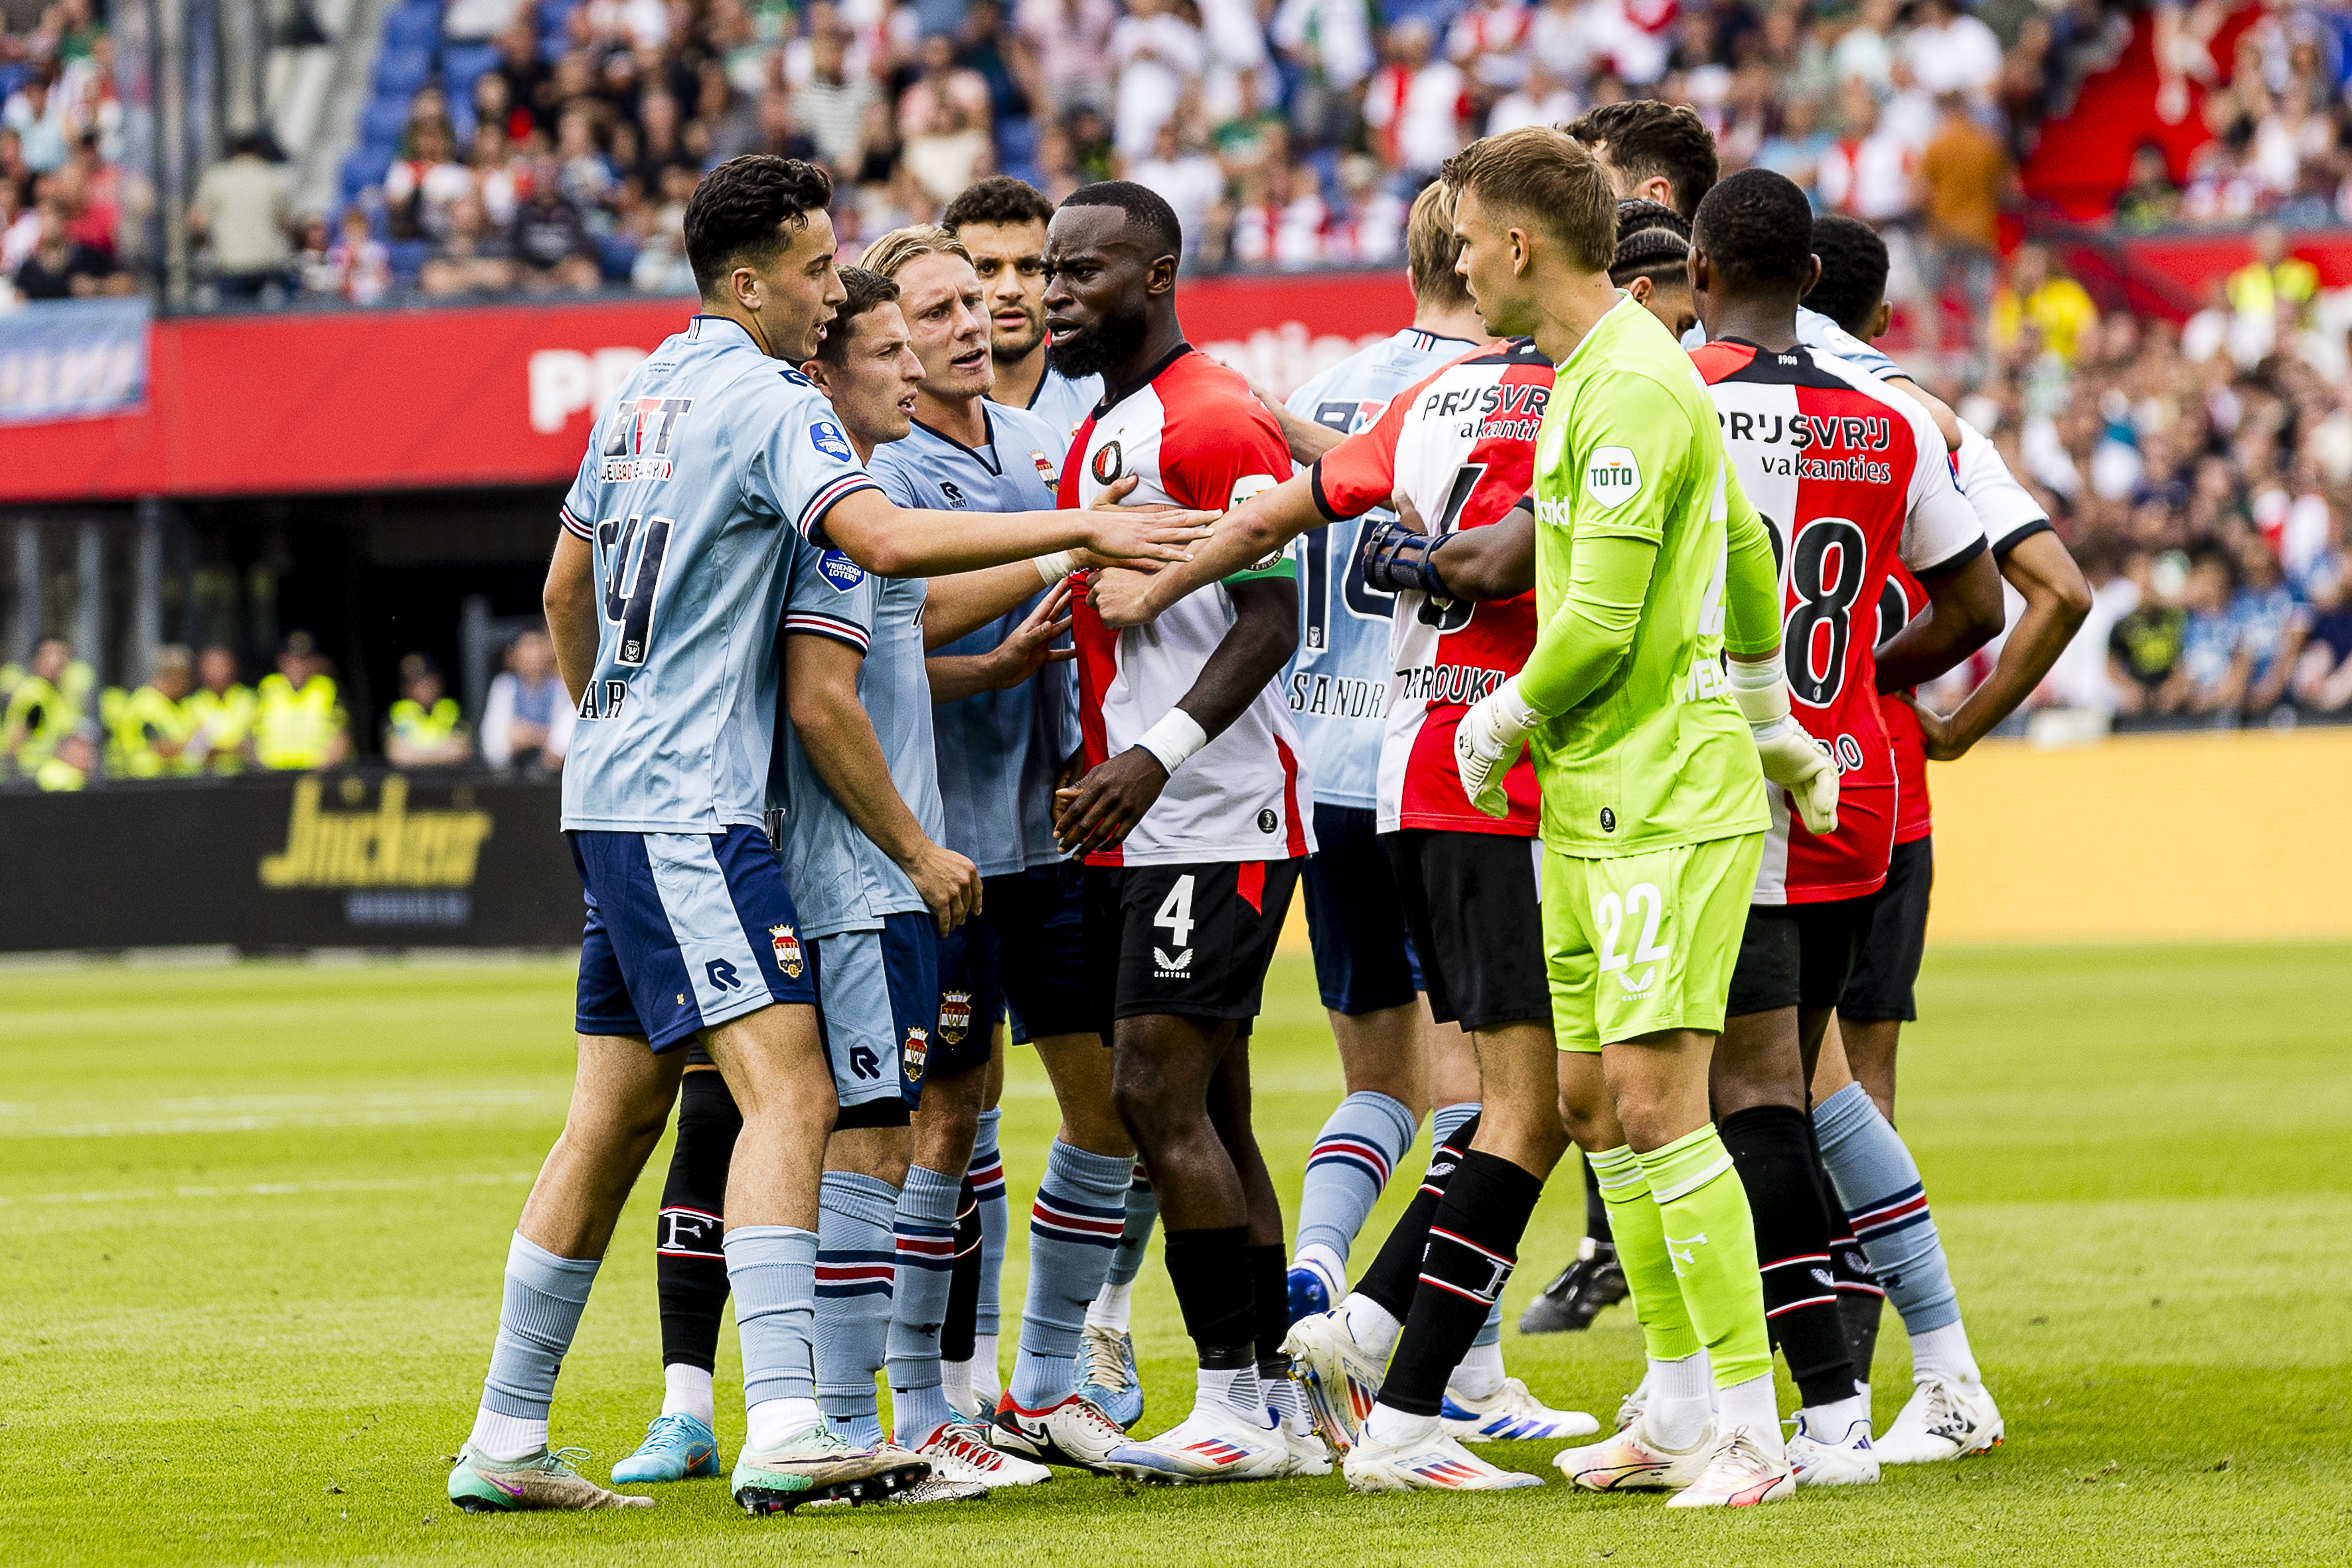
(689, 1269)
(1474, 1242)
(1596, 1212)
(958, 1333)
(1270, 1281)
(1211, 1271)
(1395, 1273)
(1771, 1146)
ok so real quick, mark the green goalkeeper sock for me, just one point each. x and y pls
(1667, 1331)
(1711, 1239)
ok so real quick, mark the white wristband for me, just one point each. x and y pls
(1055, 568)
(1761, 690)
(1174, 738)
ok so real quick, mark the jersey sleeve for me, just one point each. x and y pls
(1629, 441)
(894, 474)
(1282, 563)
(578, 511)
(1941, 531)
(2005, 508)
(1359, 473)
(804, 466)
(1751, 579)
(1816, 331)
(831, 596)
(1224, 453)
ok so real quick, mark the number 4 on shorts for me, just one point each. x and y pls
(1176, 915)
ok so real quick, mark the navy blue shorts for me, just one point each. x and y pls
(880, 993)
(685, 931)
(1024, 954)
(1364, 959)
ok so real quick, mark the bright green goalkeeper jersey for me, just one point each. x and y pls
(1636, 543)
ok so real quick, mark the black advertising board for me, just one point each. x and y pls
(287, 860)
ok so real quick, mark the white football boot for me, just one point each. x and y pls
(1945, 1419)
(1072, 1431)
(1740, 1473)
(1425, 1458)
(1849, 1461)
(1629, 1461)
(960, 1451)
(1341, 1378)
(1215, 1443)
(1510, 1414)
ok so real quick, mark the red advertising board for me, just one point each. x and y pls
(306, 402)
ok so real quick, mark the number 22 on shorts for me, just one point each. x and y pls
(1614, 912)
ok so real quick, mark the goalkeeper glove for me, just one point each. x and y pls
(1487, 742)
(1790, 758)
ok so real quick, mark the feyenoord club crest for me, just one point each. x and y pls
(1045, 470)
(955, 1016)
(789, 957)
(1107, 462)
(918, 1051)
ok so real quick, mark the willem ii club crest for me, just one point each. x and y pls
(789, 957)
(1045, 470)
(916, 1052)
(955, 1016)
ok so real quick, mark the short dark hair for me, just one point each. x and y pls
(866, 289)
(1757, 227)
(998, 199)
(739, 211)
(1142, 204)
(1647, 140)
(1653, 242)
(1537, 172)
(1854, 271)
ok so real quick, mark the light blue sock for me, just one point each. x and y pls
(538, 1315)
(995, 1223)
(1878, 1186)
(1142, 1213)
(1348, 1166)
(772, 1273)
(926, 1248)
(1444, 1123)
(1073, 1228)
(854, 1275)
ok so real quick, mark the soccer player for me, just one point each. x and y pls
(1192, 816)
(712, 457)
(1848, 477)
(1950, 1412)
(1002, 222)
(1392, 1055)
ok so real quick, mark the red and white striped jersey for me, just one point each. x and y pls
(1462, 445)
(1200, 439)
(1850, 477)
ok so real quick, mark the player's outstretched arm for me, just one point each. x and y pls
(2056, 601)
(1103, 807)
(1963, 612)
(821, 695)
(1026, 650)
(964, 601)
(1244, 536)
(569, 601)
(898, 542)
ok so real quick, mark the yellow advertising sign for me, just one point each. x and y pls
(390, 847)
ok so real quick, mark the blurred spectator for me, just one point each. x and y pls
(357, 268)
(2146, 644)
(1189, 180)
(298, 719)
(35, 111)
(424, 729)
(661, 266)
(832, 103)
(1866, 172)
(420, 189)
(2273, 282)
(1072, 40)
(2149, 200)
(240, 218)
(1539, 99)
(2270, 624)
(1962, 176)
(2059, 310)
(60, 268)
(47, 706)
(1795, 149)
(147, 730)
(2323, 672)
(219, 713)
(549, 241)
(1419, 105)
(1489, 40)
(528, 721)
(1951, 52)
(2210, 680)
(1159, 58)
(472, 256)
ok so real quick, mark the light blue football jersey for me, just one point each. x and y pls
(698, 479)
(839, 879)
(1063, 404)
(1817, 332)
(1338, 682)
(998, 751)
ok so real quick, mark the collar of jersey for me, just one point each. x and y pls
(1759, 348)
(1113, 397)
(1624, 302)
(985, 457)
(713, 316)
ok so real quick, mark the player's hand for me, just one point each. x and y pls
(1407, 516)
(1941, 737)
(1029, 647)
(1793, 761)
(1129, 535)
(1106, 803)
(949, 883)
(1486, 745)
(1121, 597)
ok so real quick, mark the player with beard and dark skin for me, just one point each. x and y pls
(1001, 221)
(1193, 820)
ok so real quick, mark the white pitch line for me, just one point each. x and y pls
(275, 1189)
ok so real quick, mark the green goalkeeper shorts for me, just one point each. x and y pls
(1643, 943)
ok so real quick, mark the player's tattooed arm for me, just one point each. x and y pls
(1104, 806)
(898, 542)
(1244, 536)
(1026, 650)
(1963, 612)
(569, 601)
(821, 694)
(2056, 601)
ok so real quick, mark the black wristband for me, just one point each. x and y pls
(1397, 560)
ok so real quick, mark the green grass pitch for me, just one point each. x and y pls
(253, 1219)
